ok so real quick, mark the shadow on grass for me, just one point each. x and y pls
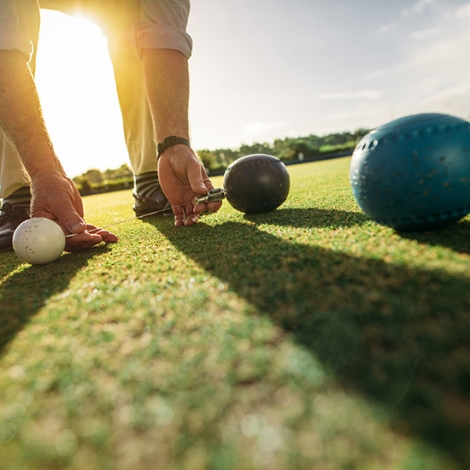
(455, 237)
(22, 294)
(396, 335)
(309, 218)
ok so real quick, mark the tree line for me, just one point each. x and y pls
(288, 150)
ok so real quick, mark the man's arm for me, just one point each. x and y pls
(181, 173)
(54, 195)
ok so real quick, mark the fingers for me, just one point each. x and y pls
(201, 184)
(191, 220)
(185, 215)
(82, 241)
(59, 200)
(70, 217)
(106, 236)
(71, 222)
(85, 235)
(179, 216)
(89, 238)
(198, 183)
(183, 177)
(207, 182)
(213, 206)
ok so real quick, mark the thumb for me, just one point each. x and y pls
(196, 179)
(79, 226)
(71, 221)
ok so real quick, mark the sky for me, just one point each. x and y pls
(268, 69)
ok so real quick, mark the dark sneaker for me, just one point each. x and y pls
(156, 202)
(10, 217)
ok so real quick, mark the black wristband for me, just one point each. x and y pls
(170, 142)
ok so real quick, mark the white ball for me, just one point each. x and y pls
(38, 241)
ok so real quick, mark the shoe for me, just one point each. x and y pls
(10, 217)
(156, 202)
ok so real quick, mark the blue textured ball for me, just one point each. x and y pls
(414, 172)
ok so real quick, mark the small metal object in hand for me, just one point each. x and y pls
(216, 194)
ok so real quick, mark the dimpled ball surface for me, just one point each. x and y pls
(38, 241)
(414, 172)
(256, 183)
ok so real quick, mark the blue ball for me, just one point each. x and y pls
(414, 172)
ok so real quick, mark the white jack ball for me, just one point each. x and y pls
(38, 241)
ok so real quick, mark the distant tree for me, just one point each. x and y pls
(255, 148)
(122, 172)
(208, 158)
(83, 185)
(94, 175)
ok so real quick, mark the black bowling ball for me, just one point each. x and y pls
(256, 183)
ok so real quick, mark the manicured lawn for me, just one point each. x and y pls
(305, 338)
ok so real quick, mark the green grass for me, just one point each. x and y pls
(306, 338)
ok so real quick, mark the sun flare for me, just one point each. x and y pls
(76, 86)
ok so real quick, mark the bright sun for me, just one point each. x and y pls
(76, 86)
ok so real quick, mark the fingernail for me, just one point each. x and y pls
(77, 226)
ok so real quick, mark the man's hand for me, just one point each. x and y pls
(56, 197)
(182, 178)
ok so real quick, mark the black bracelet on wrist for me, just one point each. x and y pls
(170, 142)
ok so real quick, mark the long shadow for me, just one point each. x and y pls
(24, 293)
(456, 237)
(309, 218)
(399, 336)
